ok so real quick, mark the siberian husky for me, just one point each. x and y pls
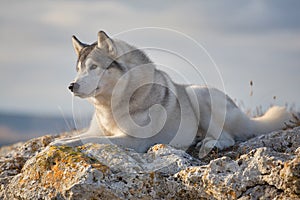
(137, 105)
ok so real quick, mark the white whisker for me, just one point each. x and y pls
(64, 117)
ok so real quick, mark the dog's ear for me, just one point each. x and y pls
(105, 42)
(77, 45)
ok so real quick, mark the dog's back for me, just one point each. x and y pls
(137, 106)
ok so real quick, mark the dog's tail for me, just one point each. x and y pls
(275, 118)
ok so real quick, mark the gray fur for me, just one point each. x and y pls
(137, 106)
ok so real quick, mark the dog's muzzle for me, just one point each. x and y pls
(74, 87)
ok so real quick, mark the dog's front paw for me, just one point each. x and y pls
(210, 144)
(56, 143)
(219, 144)
(67, 142)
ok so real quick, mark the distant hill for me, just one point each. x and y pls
(19, 127)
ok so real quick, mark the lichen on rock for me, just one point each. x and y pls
(266, 167)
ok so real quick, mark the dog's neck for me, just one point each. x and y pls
(109, 113)
(135, 97)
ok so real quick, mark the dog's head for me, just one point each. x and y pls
(97, 69)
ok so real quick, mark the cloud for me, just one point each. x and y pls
(245, 17)
(257, 39)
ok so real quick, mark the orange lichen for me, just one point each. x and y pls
(158, 146)
(58, 166)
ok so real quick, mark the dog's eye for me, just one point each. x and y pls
(93, 67)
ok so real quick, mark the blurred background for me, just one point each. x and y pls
(227, 44)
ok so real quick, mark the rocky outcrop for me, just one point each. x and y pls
(266, 167)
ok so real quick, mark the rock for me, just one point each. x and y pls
(265, 167)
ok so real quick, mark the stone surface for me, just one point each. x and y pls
(265, 167)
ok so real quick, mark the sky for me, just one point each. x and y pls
(224, 44)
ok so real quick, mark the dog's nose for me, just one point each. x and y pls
(73, 87)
